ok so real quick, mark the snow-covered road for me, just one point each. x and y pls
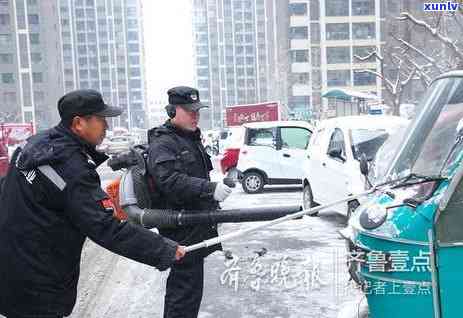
(301, 271)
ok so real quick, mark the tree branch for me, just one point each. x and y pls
(433, 31)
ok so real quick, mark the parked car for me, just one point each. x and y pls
(332, 165)
(117, 144)
(268, 153)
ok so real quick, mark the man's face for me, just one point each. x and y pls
(186, 119)
(90, 128)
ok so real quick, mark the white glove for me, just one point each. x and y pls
(221, 192)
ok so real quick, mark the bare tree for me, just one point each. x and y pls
(395, 81)
(402, 61)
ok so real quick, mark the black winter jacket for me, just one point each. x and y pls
(43, 227)
(180, 167)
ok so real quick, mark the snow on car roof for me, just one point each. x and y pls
(365, 121)
(286, 123)
(458, 73)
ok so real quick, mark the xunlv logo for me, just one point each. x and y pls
(440, 6)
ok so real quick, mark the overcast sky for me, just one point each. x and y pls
(168, 45)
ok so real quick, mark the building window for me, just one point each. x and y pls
(315, 33)
(5, 39)
(364, 78)
(338, 55)
(9, 97)
(134, 59)
(301, 78)
(336, 8)
(298, 33)
(314, 10)
(80, 26)
(6, 58)
(39, 96)
(7, 78)
(135, 72)
(298, 8)
(132, 23)
(363, 7)
(69, 85)
(4, 19)
(37, 77)
(133, 47)
(131, 11)
(3, 3)
(34, 38)
(338, 78)
(299, 101)
(33, 19)
(363, 31)
(135, 83)
(36, 57)
(315, 55)
(132, 36)
(363, 51)
(337, 31)
(299, 56)
(203, 72)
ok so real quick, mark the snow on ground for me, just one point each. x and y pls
(301, 271)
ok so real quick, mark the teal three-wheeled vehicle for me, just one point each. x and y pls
(406, 240)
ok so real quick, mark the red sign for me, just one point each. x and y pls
(240, 114)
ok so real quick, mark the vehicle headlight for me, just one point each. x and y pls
(372, 216)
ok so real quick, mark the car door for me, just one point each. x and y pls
(449, 250)
(334, 169)
(259, 152)
(294, 142)
(316, 156)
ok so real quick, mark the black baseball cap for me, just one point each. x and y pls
(186, 97)
(85, 102)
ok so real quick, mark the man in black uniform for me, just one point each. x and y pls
(180, 167)
(51, 201)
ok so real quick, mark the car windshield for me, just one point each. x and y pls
(384, 156)
(428, 149)
(367, 141)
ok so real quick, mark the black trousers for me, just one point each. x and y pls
(184, 290)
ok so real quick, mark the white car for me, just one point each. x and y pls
(332, 163)
(268, 153)
(117, 144)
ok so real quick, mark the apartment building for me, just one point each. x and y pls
(48, 48)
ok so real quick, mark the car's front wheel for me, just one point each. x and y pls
(252, 182)
(307, 199)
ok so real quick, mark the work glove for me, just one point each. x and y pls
(221, 192)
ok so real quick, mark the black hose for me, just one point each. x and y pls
(151, 218)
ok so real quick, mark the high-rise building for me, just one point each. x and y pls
(30, 73)
(324, 38)
(240, 49)
(48, 48)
